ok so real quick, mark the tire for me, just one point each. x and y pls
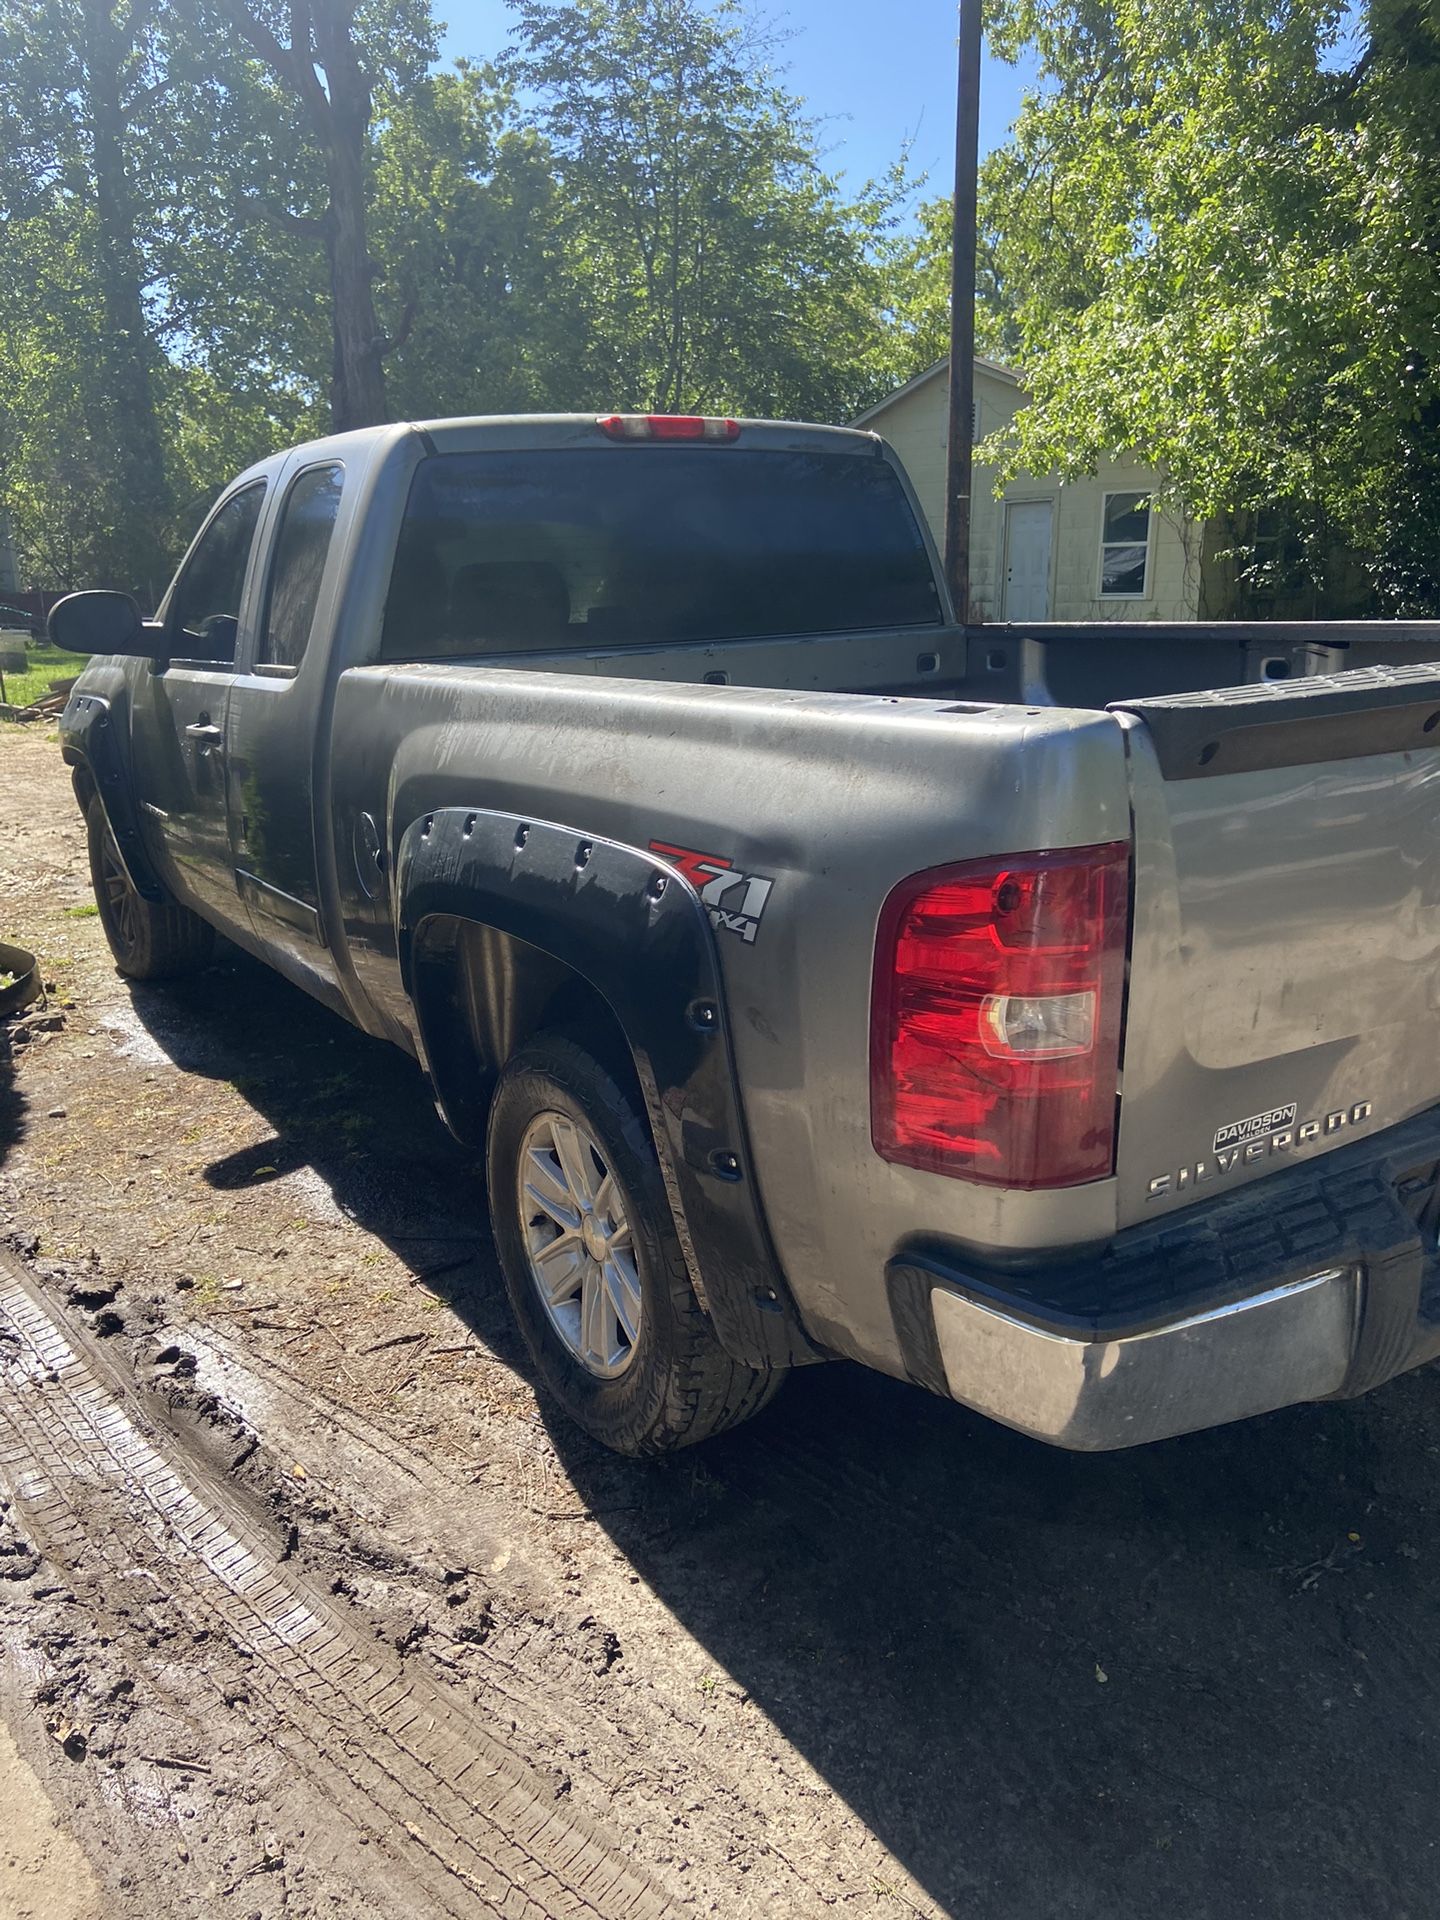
(149, 942)
(665, 1382)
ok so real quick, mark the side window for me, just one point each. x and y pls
(307, 520)
(1125, 546)
(205, 612)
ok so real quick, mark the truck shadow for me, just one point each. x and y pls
(1191, 1680)
(352, 1110)
(12, 1101)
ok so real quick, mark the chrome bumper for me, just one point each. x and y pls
(1274, 1349)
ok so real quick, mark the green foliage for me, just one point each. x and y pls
(919, 278)
(121, 126)
(465, 217)
(1395, 385)
(1214, 238)
(76, 358)
(625, 209)
(707, 260)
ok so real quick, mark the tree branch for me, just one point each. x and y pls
(291, 65)
(389, 343)
(310, 227)
(306, 48)
(146, 97)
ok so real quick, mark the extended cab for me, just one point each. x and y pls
(1000, 1008)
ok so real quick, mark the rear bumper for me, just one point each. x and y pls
(1288, 1344)
(1318, 1283)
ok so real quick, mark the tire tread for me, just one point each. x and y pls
(701, 1391)
(171, 939)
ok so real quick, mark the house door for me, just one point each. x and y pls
(1027, 560)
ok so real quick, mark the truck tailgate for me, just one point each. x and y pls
(1285, 979)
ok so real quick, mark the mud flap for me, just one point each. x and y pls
(90, 736)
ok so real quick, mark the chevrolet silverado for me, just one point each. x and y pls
(1044, 1016)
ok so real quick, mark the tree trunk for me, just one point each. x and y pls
(357, 394)
(357, 387)
(124, 422)
(338, 115)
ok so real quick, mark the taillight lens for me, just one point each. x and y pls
(995, 1017)
(667, 426)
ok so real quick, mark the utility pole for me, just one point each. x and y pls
(959, 477)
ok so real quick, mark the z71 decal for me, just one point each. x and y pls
(735, 900)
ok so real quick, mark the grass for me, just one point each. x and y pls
(43, 663)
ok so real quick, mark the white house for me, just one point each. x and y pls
(1089, 549)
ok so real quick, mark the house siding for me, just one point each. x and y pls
(914, 422)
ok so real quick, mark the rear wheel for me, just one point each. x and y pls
(592, 1264)
(149, 941)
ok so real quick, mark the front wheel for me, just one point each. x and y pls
(149, 941)
(592, 1264)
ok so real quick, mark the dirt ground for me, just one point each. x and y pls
(310, 1607)
(43, 1873)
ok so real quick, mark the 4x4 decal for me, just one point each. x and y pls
(736, 900)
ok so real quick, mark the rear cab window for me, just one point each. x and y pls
(573, 547)
(302, 546)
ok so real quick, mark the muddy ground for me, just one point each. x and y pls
(309, 1606)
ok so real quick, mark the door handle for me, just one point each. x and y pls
(204, 730)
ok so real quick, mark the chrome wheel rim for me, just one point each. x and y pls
(579, 1244)
(118, 896)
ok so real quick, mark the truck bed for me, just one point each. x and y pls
(1092, 665)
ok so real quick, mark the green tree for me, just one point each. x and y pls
(74, 75)
(119, 128)
(228, 224)
(919, 273)
(328, 56)
(464, 216)
(706, 258)
(1395, 381)
(1214, 237)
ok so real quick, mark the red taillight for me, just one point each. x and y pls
(667, 426)
(995, 1018)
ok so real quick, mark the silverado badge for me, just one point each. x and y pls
(1243, 1143)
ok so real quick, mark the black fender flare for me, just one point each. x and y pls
(92, 739)
(635, 930)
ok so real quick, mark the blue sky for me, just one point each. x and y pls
(872, 89)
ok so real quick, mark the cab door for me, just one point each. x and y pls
(277, 715)
(180, 719)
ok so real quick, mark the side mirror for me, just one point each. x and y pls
(102, 623)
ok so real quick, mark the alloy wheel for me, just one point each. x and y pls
(580, 1244)
(121, 901)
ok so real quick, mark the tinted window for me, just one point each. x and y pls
(307, 521)
(573, 547)
(205, 612)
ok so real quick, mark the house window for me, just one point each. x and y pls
(1125, 546)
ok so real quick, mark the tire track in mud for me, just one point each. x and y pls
(637, 1734)
(481, 1830)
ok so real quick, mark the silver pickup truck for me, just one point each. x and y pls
(999, 1008)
